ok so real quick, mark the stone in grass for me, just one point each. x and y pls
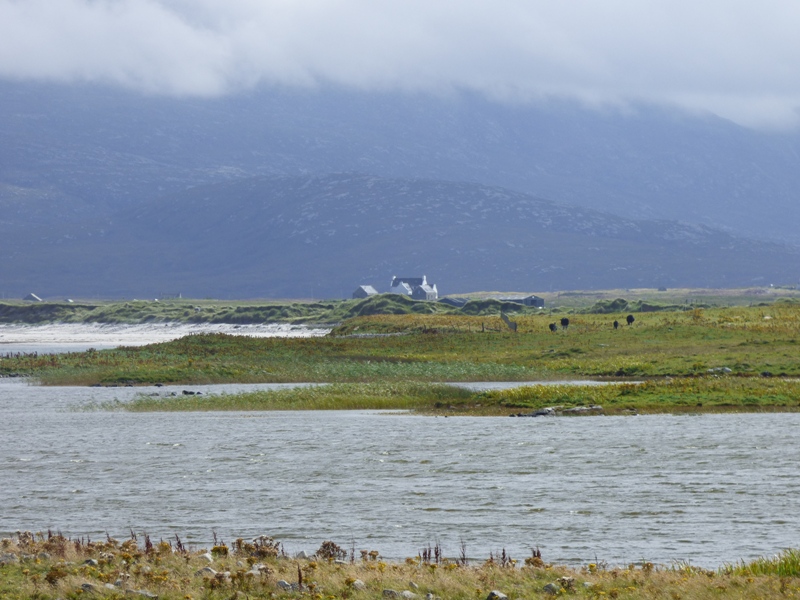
(285, 585)
(358, 585)
(142, 593)
(91, 562)
(206, 571)
(552, 588)
(496, 595)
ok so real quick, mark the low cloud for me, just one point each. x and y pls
(734, 58)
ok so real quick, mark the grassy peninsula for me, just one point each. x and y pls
(49, 565)
(737, 358)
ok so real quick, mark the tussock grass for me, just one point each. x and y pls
(358, 396)
(721, 359)
(706, 394)
(48, 565)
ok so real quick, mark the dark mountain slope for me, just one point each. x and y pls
(67, 151)
(323, 236)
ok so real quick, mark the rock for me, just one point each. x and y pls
(208, 557)
(142, 593)
(88, 587)
(43, 556)
(408, 595)
(496, 595)
(578, 410)
(285, 585)
(7, 559)
(301, 554)
(110, 586)
(358, 585)
(91, 562)
(430, 596)
(552, 588)
(391, 594)
(413, 585)
(720, 370)
(206, 571)
(340, 562)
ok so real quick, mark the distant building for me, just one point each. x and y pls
(532, 300)
(424, 292)
(32, 298)
(416, 287)
(364, 291)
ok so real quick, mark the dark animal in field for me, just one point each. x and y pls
(553, 327)
(564, 323)
(630, 319)
(616, 324)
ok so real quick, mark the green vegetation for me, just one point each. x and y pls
(335, 311)
(737, 358)
(695, 394)
(48, 566)
(237, 312)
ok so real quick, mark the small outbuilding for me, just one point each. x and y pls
(32, 298)
(364, 291)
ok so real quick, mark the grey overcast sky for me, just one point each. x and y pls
(739, 59)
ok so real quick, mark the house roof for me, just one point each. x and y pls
(368, 289)
(412, 281)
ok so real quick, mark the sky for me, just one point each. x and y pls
(734, 58)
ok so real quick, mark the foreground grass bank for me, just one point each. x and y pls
(50, 566)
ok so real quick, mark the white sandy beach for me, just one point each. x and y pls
(75, 337)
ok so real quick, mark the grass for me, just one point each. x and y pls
(701, 394)
(735, 358)
(48, 566)
(179, 310)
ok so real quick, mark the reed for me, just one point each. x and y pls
(50, 565)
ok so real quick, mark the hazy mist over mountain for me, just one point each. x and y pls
(128, 160)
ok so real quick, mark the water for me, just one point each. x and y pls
(707, 489)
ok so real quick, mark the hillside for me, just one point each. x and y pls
(323, 236)
(69, 152)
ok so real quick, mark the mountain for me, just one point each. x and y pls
(69, 152)
(321, 236)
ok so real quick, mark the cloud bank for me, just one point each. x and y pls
(735, 58)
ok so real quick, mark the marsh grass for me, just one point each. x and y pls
(678, 354)
(49, 565)
(701, 394)
(358, 396)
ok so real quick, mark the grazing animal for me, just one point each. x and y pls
(630, 319)
(553, 327)
(564, 323)
(616, 324)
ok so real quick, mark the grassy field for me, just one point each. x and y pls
(49, 566)
(733, 358)
(180, 310)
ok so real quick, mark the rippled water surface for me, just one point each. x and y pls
(707, 489)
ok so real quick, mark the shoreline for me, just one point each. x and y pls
(30, 562)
